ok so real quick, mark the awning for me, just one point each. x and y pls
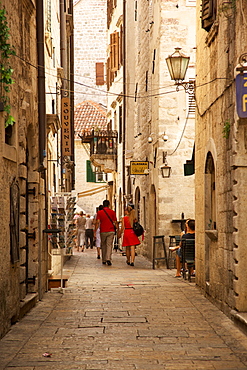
(93, 191)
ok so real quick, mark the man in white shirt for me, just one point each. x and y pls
(89, 231)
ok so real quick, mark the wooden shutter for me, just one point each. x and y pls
(114, 50)
(208, 13)
(90, 174)
(109, 12)
(120, 124)
(121, 46)
(100, 74)
(108, 74)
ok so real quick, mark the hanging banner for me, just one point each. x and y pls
(138, 168)
(66, 128)
(241, 94)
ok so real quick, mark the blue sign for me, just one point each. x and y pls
(241, 94)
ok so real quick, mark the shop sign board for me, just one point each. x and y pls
(66, 127)
(241, 94)
(139, 167)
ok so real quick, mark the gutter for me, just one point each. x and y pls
(42, 244)
(124, 100)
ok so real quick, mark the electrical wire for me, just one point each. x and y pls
(108, 93)
(182, 134)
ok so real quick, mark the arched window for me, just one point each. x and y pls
(137, 202)
(210, 203)
(210, 211)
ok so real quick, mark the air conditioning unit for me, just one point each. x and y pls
(100, 177)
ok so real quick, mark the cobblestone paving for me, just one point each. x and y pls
(125, 318)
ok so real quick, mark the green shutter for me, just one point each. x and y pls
(90, 173)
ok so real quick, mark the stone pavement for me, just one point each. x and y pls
(125, 318)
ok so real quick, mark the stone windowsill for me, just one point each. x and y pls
(212, 234)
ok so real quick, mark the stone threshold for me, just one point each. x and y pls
(239, 319)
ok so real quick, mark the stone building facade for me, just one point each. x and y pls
(146, 105)
(90, 187)
(23, 251)
(27, 179)
(90, 50)
(221, 171)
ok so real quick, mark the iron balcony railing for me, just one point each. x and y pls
(101, 142)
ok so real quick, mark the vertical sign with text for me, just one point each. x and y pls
(241, 94)
(66, 128)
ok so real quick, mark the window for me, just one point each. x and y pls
(48, 15)
(121, 46)
(208, 13)
(100, 74)
(14, 221)
(154, 55)
(191, 103)
(111, 4)
(114, 51)
(8, 134)
(120, 124)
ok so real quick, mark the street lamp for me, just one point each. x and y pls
(164, 137)
(177, 64)
(165, 169)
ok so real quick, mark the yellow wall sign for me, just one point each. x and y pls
(139, 167)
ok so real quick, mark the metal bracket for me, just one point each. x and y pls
(31, 235)
(32, 191)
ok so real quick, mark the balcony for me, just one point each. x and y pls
(103, 148)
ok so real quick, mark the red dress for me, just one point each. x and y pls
(129, 237)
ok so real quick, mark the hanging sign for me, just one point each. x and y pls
(241, 94)
(66, 128)
(139, 167)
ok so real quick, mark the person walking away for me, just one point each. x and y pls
(107, 220)
(89, 231)
(97, 235)
(80, 226)
(130, 240)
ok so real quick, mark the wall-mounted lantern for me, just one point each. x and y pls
(164, 168)
(177, 64)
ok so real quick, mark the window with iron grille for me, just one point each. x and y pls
(48, 15)
(191, 103)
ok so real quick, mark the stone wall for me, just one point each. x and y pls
(19, 159)
(158, 108)
(88, 203)
(221, 255)
(90, 48)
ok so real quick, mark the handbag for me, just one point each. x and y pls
(138, 229)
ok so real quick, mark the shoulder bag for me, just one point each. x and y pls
(138, 229)
(110, 220)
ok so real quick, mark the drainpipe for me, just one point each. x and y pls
(63, 65)
(72, 94)
(41, 80)
(124, 99)
(63, 41)
(42, 130)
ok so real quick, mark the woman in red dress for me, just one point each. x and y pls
(130, 240)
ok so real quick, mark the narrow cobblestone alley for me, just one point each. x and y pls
(125, 318)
